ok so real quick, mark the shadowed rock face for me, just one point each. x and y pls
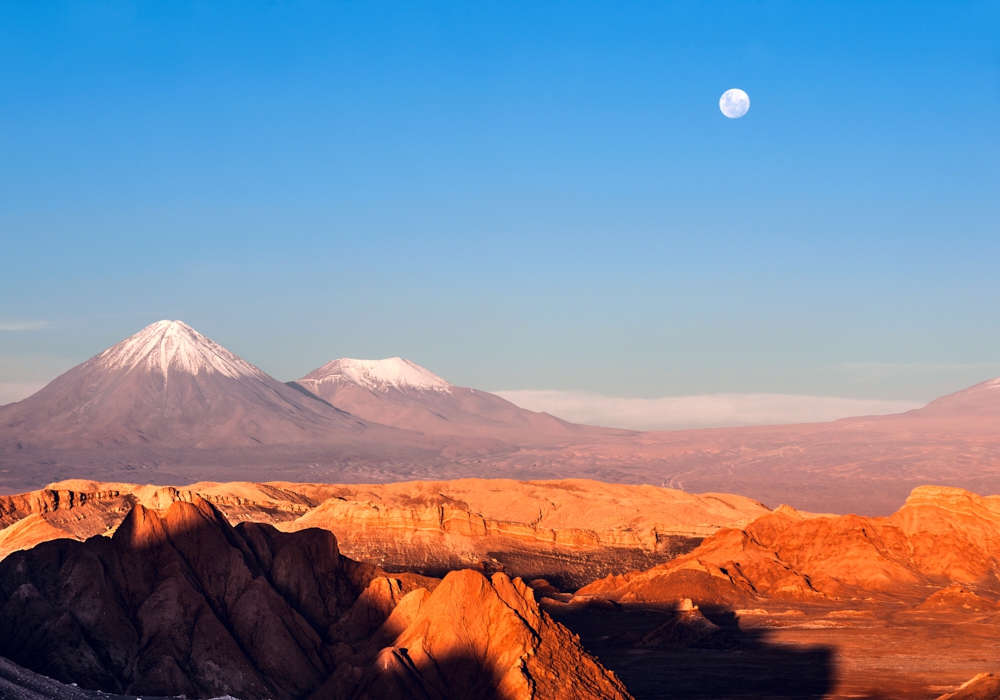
(18, 683)
(688, 628)
(941, 537)
(180, 604)
(475, 637)
(185, 603)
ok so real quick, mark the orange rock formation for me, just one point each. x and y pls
(184, 603)
(985, 686)
(576, 529)
(941, 537)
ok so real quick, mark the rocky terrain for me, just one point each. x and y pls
(170, 406)
(328, 575)
(770, 603)
(18, 683)
(570, 532)
(817, 606)
(984, 686)
(942, 538)
(180, 602)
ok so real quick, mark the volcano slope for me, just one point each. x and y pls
(183, 603)
(820, 606)
(569, 532)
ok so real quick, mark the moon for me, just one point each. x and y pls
(734, 103)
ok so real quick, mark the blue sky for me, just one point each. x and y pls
(515, 195)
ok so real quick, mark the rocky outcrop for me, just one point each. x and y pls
(688, 628)
(942, 536)
(183, 603)
(570, 531)
(79, 509)
(475, 637)
(985, 686)
(612, 514)
(955, 600)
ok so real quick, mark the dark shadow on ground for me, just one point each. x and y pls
(758, 669)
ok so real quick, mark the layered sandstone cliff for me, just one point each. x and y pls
(570, 531)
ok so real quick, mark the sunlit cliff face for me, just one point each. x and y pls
(184, 603)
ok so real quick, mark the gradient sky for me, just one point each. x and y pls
(515, 195)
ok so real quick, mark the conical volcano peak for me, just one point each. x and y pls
(169, 387)
(167, 346)
(379, 375)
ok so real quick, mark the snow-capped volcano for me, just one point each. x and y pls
(402, 394)
(167, 346)
(377, 375)
(170, 386)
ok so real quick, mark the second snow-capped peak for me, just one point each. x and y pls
(379, 375)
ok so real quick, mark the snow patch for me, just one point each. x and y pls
(379, 375)
(174, 346)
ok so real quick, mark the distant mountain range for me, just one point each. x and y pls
(169, 386)
(168, 404)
